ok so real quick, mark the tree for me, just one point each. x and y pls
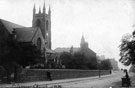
(105, 64)
(66, 59)
(127, 49)
(73, 61)
(79, 61)
(92, 63)
(22, 53)
(29, 54)
(17, 54)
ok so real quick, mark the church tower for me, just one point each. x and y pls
(83, 43)
(43, 21)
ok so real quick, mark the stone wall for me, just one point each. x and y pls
(40, 74)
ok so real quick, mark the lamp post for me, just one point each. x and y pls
(99, 74)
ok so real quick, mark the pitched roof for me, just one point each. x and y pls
(10, 26)
(59, 50)
(88, 52)
(26, 34)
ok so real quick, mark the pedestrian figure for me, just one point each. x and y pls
(127, 76)
(48, 74)
(110, 72)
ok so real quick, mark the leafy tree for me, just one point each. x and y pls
(79, 61)
(92, 63)
(73, 61)
(29, 54)
(127, 49)
(16, 54)
(21, 53)
(66, 59)
(105, 65)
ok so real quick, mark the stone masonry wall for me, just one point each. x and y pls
(30, 75)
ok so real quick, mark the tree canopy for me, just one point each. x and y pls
(22, 53)
(127, 49)
(79, 61)
(14, 54)
(105, 65)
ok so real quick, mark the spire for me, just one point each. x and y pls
(49, 11)
(34, 9)
(82, 40)
(83, 44)
(44, 10)
(39, 10)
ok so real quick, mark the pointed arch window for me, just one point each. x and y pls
(39, 43)
(47, 25)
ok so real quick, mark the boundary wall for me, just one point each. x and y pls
(32, 75)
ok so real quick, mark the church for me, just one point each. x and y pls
(39, 34)
(84, 49)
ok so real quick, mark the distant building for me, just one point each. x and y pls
(114, 64)
(83, 49)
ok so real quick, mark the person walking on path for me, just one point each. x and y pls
(48, 74)
(110, 72)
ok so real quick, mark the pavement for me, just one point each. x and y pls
(48, 83)
(72, 83)
(118, 83)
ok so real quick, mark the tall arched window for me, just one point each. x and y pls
(39, 43)
(47, 25)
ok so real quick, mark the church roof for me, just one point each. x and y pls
(88, 52)
(26, 34)
(59, 50)
(10, 26)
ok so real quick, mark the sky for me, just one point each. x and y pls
(102, 22)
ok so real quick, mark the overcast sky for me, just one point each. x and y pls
(102, 22)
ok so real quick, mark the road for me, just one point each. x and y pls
(90, 82)
(103, 82)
